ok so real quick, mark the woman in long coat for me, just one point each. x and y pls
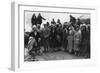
(77, 39)
(70, 39)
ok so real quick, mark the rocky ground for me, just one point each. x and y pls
(59, 55)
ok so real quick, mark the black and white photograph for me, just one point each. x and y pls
(50, 35)
(53, 36)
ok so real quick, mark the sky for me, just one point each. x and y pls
(64, 17)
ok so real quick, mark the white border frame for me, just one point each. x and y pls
(17, 38)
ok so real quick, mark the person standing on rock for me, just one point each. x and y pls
(33, 20)
(39, 19)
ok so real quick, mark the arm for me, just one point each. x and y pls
(43, 18)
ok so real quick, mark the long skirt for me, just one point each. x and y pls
(65, 43)
(46, 44)
(76, 45)
(70, 44)
(83, 48)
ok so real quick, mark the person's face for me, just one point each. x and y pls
(45, 26)
(77, 29)
(66, 30)
(39, 14)
(82, 28)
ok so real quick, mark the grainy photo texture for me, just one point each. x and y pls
(56, 35)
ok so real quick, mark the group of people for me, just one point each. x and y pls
(72, 37)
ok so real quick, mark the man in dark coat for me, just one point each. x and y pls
(53, 21)
(78, 22)
(52, 38)
(58, 22)
(72, 20)
(58, 33)
(65, 41)
(33, 20)
(39, 19)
